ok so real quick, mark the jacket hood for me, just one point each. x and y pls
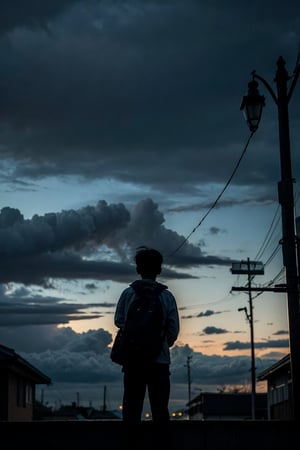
(140, 285)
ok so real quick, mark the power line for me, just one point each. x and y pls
(217, 199)
(269, 235)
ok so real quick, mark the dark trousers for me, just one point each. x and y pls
(137, 379)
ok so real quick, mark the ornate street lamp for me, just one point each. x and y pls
(252, 105)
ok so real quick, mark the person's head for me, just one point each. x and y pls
(148, 262)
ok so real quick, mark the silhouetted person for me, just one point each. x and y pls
(153, 376)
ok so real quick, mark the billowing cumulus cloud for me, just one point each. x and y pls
(59, 231)
(67, 245)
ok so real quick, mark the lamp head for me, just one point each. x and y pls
(252, 105)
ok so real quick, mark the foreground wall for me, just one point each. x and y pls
(185, 435)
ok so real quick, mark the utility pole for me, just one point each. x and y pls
(249, 317)
(250, 268)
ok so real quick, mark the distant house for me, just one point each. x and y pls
(18, 379)
(278, 378)
(231, 406)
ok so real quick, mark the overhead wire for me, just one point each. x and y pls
(269, 235)
(281, 274)
(217, 199)
(266, 242)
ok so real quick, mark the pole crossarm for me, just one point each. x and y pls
(259, 289)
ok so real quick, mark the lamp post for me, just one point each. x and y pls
(252, 106)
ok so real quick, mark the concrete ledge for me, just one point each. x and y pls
(185, 435)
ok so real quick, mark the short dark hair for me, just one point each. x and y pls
(148, 260)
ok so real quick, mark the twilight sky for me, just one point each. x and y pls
(120, 126)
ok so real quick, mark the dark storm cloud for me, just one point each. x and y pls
(215, 369)
(214, 330)
(113, 85)
(33, 312)
(37, 269)
(53, 245)
(59, 231)
(207, 313)
(67, 356)
(226, 203)
(71, 244)
(27, 315)
(62, 351)
(237, 345)
(30, 13)
(215, 230)
(22, 308)
(279, 332)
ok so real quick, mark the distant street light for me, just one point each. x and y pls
(252, 106)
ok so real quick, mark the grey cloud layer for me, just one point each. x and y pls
(112, 85)
(32, 14)
(67, 356)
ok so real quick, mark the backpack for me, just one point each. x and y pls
(143, 333)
